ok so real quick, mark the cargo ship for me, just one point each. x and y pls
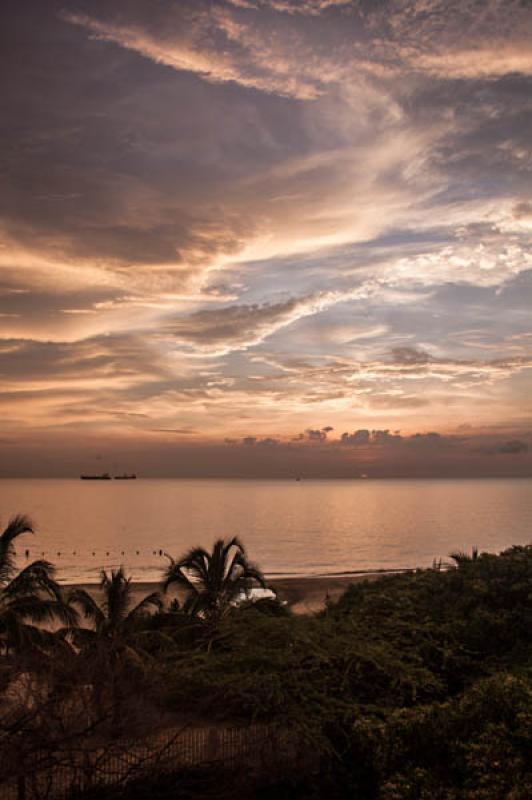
(126, 477)
(103, 477)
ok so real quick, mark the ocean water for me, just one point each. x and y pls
(288, 527)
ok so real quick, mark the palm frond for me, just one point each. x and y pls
(68, 614)
(19, 635)
(39, 609)
(64, 613)
(51, 647)
(460, 557)
(172, 574)
(191, 563)
(88, 606)
(193, 604)
(153, 600)
(212, 580)
(197, 561)
(37, 575)
(17, 525)
(253, 573)
(117, 593)
(234, 542)
(82, 637)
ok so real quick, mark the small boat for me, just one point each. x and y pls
(103, 477)
(126, 477)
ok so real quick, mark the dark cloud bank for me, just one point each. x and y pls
(363, 453)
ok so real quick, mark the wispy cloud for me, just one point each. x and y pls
(219, 332)
(255, 217)
(492, 62)
(189, 50)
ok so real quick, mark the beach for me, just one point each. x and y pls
(302, 594)
(307, 595)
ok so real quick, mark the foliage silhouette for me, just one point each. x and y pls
(116, 645)
(213, 581)
(114, 619)
(411, 687)
(28, 597)
(460, 558)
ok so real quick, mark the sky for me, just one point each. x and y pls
(266, 237)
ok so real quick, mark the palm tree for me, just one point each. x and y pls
(28, 597)
(460, 558)
(213, 581)
(113, 645)
(114, 621)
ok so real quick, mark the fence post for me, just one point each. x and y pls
(212, 744)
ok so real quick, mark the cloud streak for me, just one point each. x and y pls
(270, 73)
(219, 332)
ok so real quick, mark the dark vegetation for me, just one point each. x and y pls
(412, 687)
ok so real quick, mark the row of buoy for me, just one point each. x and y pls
(60, 553)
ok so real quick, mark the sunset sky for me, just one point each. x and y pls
(266, 237)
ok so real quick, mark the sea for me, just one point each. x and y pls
(288, 527)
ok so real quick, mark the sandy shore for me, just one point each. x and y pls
(304, 595)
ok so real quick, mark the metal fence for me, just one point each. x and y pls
(60, 774)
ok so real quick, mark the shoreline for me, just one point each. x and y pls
(285, 478)
(303, 594)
